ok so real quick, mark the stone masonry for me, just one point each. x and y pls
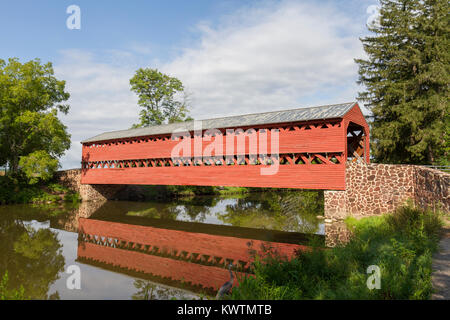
(72, 180)
(373, 189)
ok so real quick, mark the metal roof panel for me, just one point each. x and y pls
(294, 115)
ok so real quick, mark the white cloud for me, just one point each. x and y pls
(100, 100)
(277, 56)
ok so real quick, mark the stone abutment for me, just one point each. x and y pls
(374, 189)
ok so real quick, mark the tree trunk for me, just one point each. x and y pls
(430, 155)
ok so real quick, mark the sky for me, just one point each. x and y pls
(233, 56)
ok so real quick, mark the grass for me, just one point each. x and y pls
(400, 244)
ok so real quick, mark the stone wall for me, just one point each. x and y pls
(373, 189)
(336, 233)
(431, 188)
(72, 180)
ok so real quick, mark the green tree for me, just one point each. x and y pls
(30, 98)
(162, 98)
(406, 76)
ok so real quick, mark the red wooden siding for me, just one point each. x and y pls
(312, 155)
(299, 140)
(289, 176)
(355, 115)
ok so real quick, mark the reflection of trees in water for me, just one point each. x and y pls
(150, 291)
(196, 208)
(286, 211)
(276, 210)
(33, 258)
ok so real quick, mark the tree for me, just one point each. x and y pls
(406, 76)
(30, 98)
(162, 98)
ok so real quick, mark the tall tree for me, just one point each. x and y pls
(162, 98)
(30, 98)
(406, 76)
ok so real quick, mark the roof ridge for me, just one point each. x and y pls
(267, 112)
(138, 130)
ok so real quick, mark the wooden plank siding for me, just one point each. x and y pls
(300, 140)
(289, 176)
(312, 155)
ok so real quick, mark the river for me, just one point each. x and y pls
(150, 250)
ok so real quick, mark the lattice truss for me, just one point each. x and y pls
(356, 141)
(285, 159)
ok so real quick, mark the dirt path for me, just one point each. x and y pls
(441, 267)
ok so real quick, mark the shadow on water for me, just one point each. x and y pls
(165, 246)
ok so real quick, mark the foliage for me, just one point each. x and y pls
(30, 98)
(72, 197)
(19, 191)
(159, 97)
(10, 294)
(166, 192)
(401, 244)
(38, 165)
(407, 81)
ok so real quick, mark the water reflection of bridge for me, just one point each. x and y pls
(175, 252)
(182, 254)
(196, 259)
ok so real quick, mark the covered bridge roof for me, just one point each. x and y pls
(293, 115)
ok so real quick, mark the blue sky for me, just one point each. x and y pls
(233, 56)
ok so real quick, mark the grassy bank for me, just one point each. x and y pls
(14, 191)
(171, 192)
(400, 244)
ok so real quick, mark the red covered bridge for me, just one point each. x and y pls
(303, 148)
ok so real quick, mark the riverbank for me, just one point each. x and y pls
(166, 192)
(399, 245)
(14, 191)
